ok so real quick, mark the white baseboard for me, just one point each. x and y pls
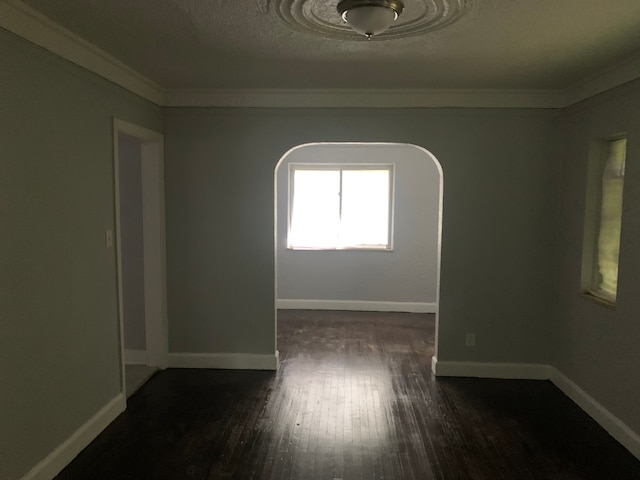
(53, 463)
(524, 371)
(533, 371)
(356, 305)
(135, 357)
(231, 361)
(612, 424)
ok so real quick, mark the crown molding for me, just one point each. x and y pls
(24, 21)
(361, 98)
(615, 76)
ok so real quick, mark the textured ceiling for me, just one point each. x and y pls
(262, 44)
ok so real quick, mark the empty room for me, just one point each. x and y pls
(368, 239)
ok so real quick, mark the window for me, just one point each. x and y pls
(604, 220)
(335, 207)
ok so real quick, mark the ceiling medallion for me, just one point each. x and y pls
(320, 17)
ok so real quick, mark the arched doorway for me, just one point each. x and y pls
(402, 278)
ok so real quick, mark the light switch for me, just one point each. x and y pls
(108, 238)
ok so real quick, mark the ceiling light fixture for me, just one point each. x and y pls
(370, 17)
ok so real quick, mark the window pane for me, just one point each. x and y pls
(365, 208)
(611, 219)
(315, 215)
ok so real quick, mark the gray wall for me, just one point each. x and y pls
(58, 310)
(408, 273)
(130, 157)
(597, 346)
(508, 252)
(500, 179)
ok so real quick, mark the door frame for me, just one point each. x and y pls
(430, 157)
(154, 243)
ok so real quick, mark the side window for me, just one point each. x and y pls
(604, 220)
(340, 207)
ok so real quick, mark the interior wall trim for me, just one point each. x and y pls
(615, 76)
(514, 371)
(225, 361)
(607, 420)
(532, 371)
(28, 23)
(135, 357)
(59, 458)
(357, 98)
(357, 305)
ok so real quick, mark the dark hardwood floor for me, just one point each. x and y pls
(354, 399)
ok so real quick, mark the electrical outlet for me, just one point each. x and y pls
(470, 340)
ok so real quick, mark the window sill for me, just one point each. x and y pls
(342, 249)
(594, 297)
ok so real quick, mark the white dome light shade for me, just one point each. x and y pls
(370, 17)
(370, 20)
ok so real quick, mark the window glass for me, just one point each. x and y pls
(365, 208)
(340, 207)
(315, 208)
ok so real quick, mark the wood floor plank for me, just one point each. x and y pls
(354, 399)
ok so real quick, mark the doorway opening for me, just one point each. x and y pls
(404, 276)
(140, 253)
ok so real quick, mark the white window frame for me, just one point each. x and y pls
(390, 167)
